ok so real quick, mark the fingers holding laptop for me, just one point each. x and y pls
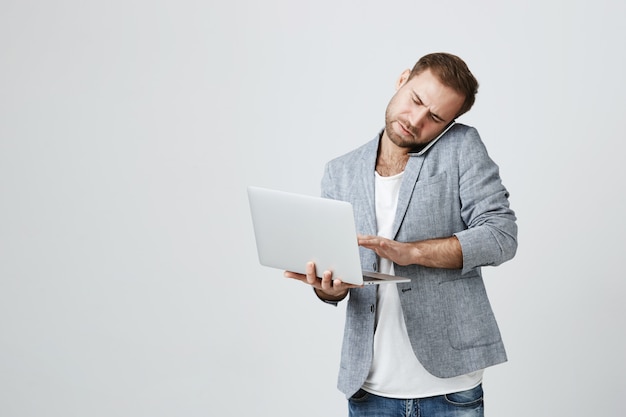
(326, 287)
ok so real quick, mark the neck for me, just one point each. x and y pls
(391, 159)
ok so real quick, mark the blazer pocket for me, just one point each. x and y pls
(423, 218)
(469, 318)
(433, 192)
(422, 182)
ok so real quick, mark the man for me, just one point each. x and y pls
(435, 214)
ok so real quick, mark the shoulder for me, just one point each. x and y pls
(340, 172)
(362, 152)
(357, 159)
(462, 135)
(461, 143)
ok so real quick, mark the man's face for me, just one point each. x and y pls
(421, 108)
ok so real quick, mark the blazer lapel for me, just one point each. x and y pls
(363, 199)
(411, 174)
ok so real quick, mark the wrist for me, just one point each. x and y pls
(330, 297)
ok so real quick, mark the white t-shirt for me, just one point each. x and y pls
(396, 372)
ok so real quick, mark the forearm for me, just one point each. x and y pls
(443, 253)
(433, 253)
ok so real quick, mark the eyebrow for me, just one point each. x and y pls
(434, 116)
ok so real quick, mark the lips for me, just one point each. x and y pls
(405, 130)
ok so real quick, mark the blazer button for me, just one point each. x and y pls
(372, 308)
(374, 267)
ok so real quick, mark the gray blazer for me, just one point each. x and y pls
(453, 189)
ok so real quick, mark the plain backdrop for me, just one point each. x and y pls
(129, 130)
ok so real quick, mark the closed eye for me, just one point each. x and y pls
(436, 118)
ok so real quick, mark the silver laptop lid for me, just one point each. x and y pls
(293, 229)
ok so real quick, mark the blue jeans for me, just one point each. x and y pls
(459, 404)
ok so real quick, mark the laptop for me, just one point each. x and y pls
(293, 229)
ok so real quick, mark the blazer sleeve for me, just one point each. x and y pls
(491, 234)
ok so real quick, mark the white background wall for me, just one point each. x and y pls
(129, 284)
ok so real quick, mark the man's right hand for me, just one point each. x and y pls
(326, 287)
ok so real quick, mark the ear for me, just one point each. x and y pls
(404, 77)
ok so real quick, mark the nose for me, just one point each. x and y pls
(418, 116)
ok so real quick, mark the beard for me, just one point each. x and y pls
(393, 124)
(396, 128)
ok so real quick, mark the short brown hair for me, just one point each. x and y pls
(453, 72)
